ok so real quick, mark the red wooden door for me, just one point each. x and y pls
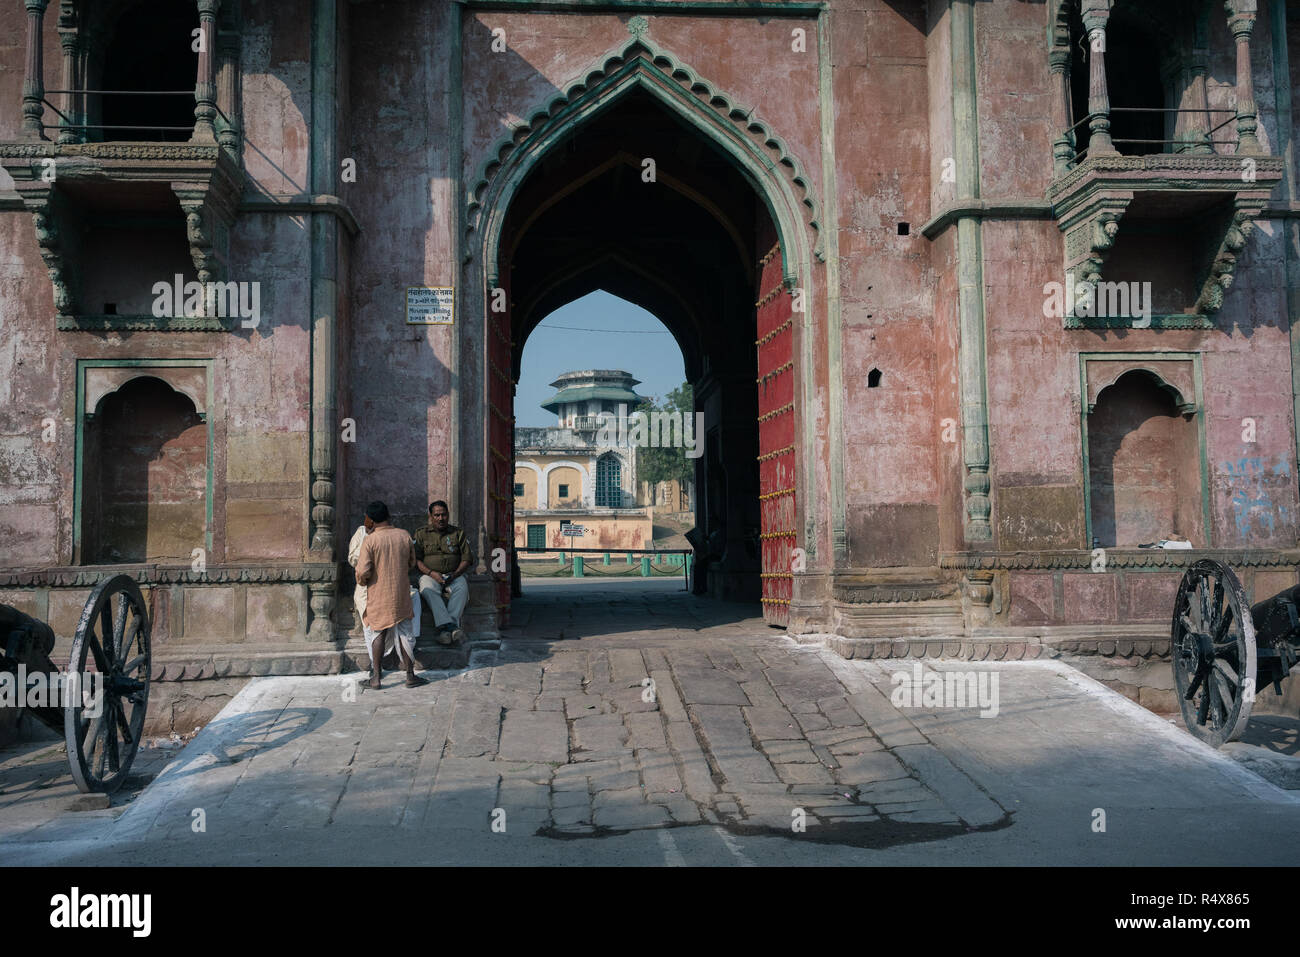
(776, 429)
(501, 445)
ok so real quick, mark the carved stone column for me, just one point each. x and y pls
(321, 603)
(972, 367)
(34, 74)
(1241, 21)
(978, 592)
(324, 300)
(74, 109)
(1095, 16)
(1063, 146)
(205, 87)
(1196, 138)
(228, 87)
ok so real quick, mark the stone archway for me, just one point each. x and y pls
(741, 199)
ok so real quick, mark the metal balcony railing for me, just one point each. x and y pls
(1187, 141)
(66, 122)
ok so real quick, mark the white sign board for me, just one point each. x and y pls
(573, 530)
(430, 305)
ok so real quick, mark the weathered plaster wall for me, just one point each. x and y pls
(883, 166)
(572, 481)
(1016, 96)
(603, 531)
(400, 376)
(275, 84)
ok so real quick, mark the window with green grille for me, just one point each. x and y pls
(536, 536)
(609, 485)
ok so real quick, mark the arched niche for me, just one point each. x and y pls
(548, 480)
(530, 473)
(145, 480)
(1145, 479)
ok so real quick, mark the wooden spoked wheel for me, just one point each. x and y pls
(1213, 650)
(103, 720)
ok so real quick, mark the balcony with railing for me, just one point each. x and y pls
(1155, 183)
(133, 177)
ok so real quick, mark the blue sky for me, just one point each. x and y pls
(598, 331)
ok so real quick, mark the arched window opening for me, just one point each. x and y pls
(609, 488)
(145, 491)
(1143, 466)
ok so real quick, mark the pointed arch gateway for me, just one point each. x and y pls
(785, 235)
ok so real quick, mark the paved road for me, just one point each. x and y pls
(635, 727)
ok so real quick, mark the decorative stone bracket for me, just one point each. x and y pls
(1089, 240)
(1225, 260)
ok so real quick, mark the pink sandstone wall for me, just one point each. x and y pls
(883, 165)
(399, 377)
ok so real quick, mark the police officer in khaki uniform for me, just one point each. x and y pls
(442, 556)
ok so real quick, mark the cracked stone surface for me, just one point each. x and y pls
(710, 719)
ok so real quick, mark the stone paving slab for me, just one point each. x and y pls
(730, 745)
(534, 736)
(696, 776)
(670, 703)
(773, 723)
(599, 733)
(705, 687)
(646, 731)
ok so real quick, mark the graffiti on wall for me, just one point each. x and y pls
(1253, 483)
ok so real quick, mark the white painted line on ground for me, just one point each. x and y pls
(734, 847)
(672, 856)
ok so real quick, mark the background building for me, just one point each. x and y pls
(570, 473)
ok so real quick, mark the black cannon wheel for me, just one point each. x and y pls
(104, 720)
(1213, 650)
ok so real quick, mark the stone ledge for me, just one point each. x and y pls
(870, 593)
(239, 661)
(88, 576)
(1004, 648)
(1143, 558)
(243, 662)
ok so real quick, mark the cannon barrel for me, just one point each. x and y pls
(1277, 631)
(25, 640)
(28, 642)
(1276, 618)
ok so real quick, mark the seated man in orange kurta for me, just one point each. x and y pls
(384, 567)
